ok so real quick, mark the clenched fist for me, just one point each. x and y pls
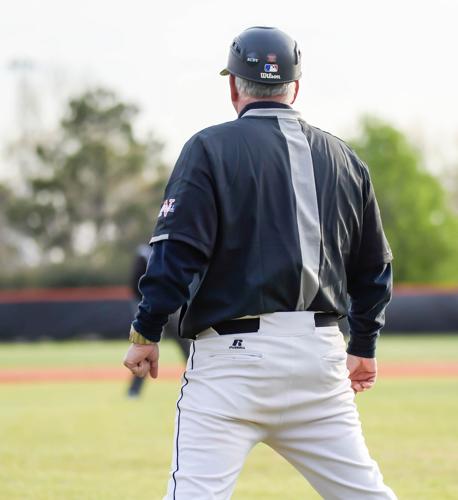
(141, 359)
(363, 372)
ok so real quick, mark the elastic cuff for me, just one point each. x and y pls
(361, 353)
(138, 338)
(138, 328)
(362, 348)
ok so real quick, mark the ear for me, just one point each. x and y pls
(296, 90)
(234, 92)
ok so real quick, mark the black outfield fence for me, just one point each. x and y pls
(107, 312)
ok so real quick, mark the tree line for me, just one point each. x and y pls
(95, 189)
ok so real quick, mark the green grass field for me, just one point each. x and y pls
(88, 441)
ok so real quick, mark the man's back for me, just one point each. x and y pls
(273, 201)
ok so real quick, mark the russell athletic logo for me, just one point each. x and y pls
(237, 344)
(168, 206)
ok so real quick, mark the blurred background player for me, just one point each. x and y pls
(170, 331)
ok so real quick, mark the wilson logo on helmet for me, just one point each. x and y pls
(270, 76)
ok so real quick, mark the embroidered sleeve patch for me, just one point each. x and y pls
(168, 206)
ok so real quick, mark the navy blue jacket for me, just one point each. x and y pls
(264, 214)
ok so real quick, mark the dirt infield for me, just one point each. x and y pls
(77, 374)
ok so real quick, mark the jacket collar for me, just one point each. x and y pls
(269, 109)
(263, 105)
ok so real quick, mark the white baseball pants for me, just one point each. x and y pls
(287, 386)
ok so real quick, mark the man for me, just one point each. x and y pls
(142, 256)
(267, 223)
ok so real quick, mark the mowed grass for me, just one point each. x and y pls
(88, 441)
(79, 354)
(411, 348)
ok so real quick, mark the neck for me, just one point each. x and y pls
(245, 100)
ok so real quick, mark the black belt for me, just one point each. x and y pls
(249, 325)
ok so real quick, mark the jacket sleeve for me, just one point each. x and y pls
(173, 267)
(138, 270)
(369, 294)
(370, 278)
(189, 209)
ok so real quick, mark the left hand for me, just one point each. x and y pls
(363, 372)
(142, 358)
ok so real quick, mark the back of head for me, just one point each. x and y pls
(265, 61)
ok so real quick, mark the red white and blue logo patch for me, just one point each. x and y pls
(271, 68)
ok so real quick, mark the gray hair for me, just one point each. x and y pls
(254, 89)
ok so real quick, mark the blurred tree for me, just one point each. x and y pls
(98, 185)
(9, 253)
(450, 182)
(418, 221)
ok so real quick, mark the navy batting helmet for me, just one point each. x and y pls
(264, 55)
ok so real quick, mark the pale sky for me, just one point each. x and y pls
(393, 58)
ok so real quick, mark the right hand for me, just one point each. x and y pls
(142, 358)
